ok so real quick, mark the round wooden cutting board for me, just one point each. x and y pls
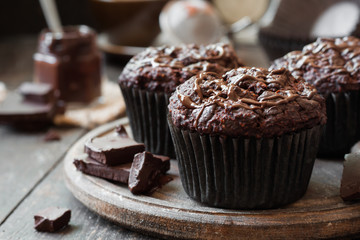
(170, 213)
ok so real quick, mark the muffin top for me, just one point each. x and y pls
(331, 65)
(163, 68)
(249, 102)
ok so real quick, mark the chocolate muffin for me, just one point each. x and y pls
(332, 66)
(247, 139)
(151, 76)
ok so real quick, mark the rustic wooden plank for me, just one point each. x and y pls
(25, 159)
(319, 214)
(84, 224)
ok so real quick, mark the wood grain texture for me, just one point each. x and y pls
(25, 159)
(170, 213)
(30, 175)
(84, 224)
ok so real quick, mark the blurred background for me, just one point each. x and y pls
(26, 17)
(126, 26)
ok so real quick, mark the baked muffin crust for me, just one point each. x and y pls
(249, 102)
(331, 65)
(163, 68)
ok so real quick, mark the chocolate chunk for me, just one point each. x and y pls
(89, 166)
(145, 172)
(350, 182)
(166, 162)
(120, 129)
(112, 149)
(15, 111)
(52, 219)
(52, 135)
(37, 92)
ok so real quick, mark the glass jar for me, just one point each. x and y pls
(71, 62)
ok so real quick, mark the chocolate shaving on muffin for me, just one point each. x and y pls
(164, 68)
(249, 102)
(331, 65)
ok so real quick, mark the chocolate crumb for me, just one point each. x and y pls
(120, 129)
(52, 135)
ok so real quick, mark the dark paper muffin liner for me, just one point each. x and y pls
(147, 113)
(342, 126)
(245, 173)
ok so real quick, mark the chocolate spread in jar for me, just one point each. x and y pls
(71, 62)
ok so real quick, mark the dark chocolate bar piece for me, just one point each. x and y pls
(350, 182)
(37, 92)
(146, 171)
(89, 166)
(120, 129)
(52, 219)
(112, 149)
(17, 112)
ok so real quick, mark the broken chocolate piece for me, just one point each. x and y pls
(91, 167)
(52, 135)
(166, 162)
(52, 219)
(350, 182)
(15, 111)
(120, 129)
(37, 92)
(164, 179)
(113, 150)
(145, 172)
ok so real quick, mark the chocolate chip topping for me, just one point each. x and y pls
(331, 65)
(250, 102)
(164, 68)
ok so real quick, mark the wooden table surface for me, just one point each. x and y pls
(31, 170)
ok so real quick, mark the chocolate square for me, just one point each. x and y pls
(113, 149)
(89, 166)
